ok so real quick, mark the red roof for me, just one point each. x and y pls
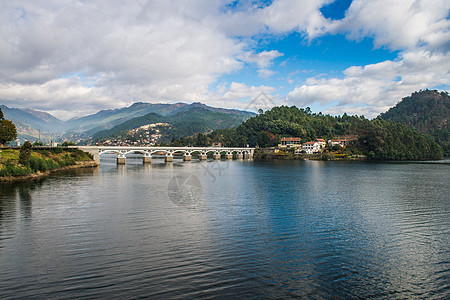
(309, 143)
(291, 139)
(320, 140)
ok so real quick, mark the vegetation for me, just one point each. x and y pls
(377, 139)
(428, 112)
(8, 130)
(29, 160)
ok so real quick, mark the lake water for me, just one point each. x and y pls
(229, 229)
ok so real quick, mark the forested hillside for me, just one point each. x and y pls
(427, 111)
(378, 139)
(184, 123)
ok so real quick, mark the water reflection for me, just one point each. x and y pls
(260, 229)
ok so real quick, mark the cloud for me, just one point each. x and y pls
(398, 25)
(262, 60)
(148, 50)
(278, 18)
(418, 29)
(374, 88)
(55, 55)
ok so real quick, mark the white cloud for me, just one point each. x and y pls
(417, 28)
(241, 96)
(148, 50)
(400, 24)
(280, 17)
(374, 88)
(167, 51)
(263, 60)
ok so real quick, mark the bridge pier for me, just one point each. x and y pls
(147, 159)
(121, 160)
(240, 155)
(229, 155)
(169, 158)
(203, 157)
(216, 156)
(187, 157)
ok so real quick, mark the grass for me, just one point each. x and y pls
(39, 161)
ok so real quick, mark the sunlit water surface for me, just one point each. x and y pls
(236, 229)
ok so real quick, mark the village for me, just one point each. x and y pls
(314, 147)
(146, 135)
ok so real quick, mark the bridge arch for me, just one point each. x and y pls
(137, 151)
(110, 152)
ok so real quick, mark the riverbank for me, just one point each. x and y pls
(288, 155)
(39, 174)
(29, 163)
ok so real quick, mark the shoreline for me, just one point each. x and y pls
(38, 175)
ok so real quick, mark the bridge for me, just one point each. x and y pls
(168, 153)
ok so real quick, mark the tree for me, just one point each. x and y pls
(25, 152)
(263, 139)
(1, 115)
(8, 131)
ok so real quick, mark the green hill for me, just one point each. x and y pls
(378, 139)
(184, 123)
(427, 111)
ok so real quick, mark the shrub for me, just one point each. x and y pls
(38, 164)
(51, 164)
(14, 170)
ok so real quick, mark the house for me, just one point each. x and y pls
(311, 147)
(290, 142)
(321, 142)
(338, 142)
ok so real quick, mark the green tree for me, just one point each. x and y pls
(25, 153)
(8, 131)
(263, 139)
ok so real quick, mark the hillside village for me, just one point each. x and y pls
(314, 147)
(146, 135)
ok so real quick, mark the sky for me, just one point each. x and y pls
(72, 58)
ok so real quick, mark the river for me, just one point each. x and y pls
(229, 229)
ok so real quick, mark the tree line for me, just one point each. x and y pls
(378, 139)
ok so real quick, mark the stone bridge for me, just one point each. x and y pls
(168, 152)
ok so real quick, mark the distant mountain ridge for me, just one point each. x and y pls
(428, 111)
(105, 119)
(32, 123)
(198, 118)
(28, 117)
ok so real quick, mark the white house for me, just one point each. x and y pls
(321, 142)
(338, 142)
(311, 147)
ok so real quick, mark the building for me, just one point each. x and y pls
(338, 142)
(321, 142)
(290, 142)
(311, 147)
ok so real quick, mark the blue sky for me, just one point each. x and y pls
(73, 58)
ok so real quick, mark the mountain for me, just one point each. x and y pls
(183, 122)
(106, 119)
(32, 124)
(27, 117)
(428, 112)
